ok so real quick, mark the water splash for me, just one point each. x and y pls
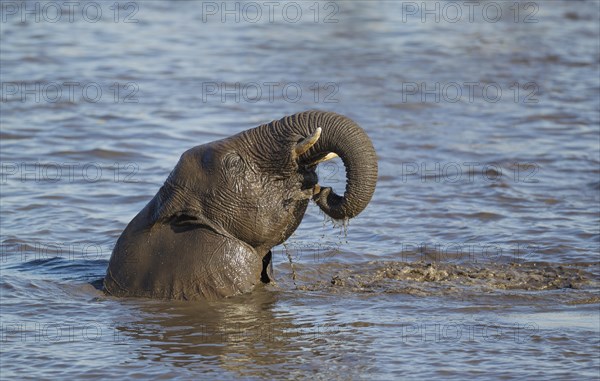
(341, 224)
(289, 257)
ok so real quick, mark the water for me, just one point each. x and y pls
(478, 256)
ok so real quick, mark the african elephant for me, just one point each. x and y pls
(209, 230)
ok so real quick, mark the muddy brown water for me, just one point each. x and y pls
(477, 258)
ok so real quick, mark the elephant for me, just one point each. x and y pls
(209, 230)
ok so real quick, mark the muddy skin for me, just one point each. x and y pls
(208, 232)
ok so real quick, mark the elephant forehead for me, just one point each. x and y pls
(210, 156)
(199, 163)
(187, 172)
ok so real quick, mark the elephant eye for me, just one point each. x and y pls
(233, 164)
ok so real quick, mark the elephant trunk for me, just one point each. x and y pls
(349, 141)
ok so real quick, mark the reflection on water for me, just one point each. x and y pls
(242, 337)
(476, 258)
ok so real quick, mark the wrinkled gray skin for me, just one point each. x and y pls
(209, 230)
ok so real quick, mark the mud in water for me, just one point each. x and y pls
(447, 279)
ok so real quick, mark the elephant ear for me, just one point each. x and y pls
(172, 208)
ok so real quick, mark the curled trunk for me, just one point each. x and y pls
(349, 141)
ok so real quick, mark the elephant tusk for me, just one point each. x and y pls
(329, 156)
(316, 190)
(308, 142)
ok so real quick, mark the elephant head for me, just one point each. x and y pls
(209, 230)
